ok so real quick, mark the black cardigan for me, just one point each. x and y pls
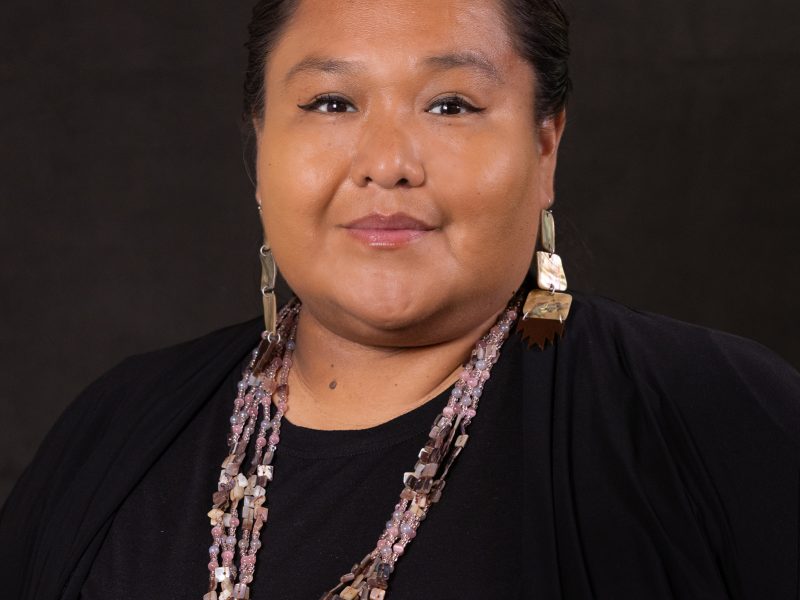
(659, 460)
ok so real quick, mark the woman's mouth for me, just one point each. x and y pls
(388, 231)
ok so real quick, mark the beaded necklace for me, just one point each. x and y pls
(264, 383)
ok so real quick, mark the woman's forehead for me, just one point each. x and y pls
(407, 15)
(346, 36)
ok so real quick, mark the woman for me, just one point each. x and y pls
(406, 153)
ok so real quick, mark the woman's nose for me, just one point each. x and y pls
(387, 156)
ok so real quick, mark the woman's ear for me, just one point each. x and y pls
(549, 134)
(257, 123)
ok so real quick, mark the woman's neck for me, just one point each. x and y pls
(335, 383)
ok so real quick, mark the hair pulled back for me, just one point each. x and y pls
(539, 29)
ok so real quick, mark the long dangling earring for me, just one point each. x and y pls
(546, 309)
(268, 272)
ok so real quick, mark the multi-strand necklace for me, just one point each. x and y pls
(261, 401)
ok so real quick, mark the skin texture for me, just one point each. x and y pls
(391, 322)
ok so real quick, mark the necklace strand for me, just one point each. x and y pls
(263, 393)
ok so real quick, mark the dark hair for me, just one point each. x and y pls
(540, 30)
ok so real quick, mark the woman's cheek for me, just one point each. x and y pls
(299, 188)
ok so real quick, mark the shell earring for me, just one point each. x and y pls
(546, 309)
(268, 272)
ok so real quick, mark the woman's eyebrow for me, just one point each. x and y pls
(439, 62)
(312, 64)
(469, 59)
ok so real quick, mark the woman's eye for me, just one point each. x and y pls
(328, 104)
(452, 106)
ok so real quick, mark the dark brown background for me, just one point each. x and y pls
(128, 222)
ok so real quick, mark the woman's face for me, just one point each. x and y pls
(400, 170)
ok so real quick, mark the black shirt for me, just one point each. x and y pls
(637, 458)
(332, 493)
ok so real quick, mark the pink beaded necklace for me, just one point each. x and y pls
(264, 383)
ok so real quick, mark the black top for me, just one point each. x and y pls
(638, 458)
(331, 497)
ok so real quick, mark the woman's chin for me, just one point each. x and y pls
(388, 310)
(397, 304)
(376, 318)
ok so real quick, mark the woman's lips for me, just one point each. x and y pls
(388, 231)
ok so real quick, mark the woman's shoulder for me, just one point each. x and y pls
(694, 426)
(139, 381)
(102, 445)
(603, 317)
(141, 392)
(653, 341)
(158, 383)
(184, 359)
(693, 367)
(170, 377)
